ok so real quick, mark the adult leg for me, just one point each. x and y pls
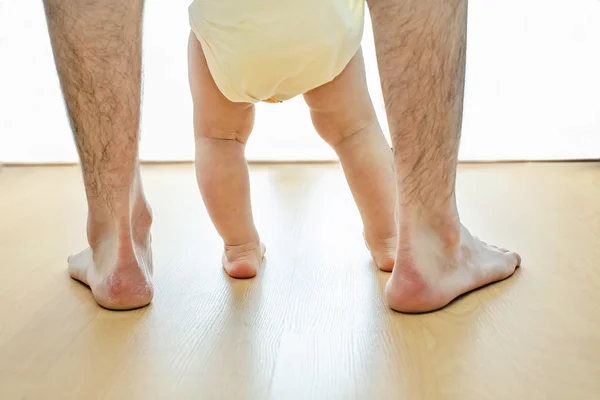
(344, 117)
(97, 50)
(221, 130)
(421, 54)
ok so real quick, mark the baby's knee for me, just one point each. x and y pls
(336, 130)
(226, 126)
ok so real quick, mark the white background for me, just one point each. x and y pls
(533, 87)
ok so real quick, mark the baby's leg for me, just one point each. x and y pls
(221, 129)
(344, 117)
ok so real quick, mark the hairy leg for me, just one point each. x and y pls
(421, 47)
(98, 54)
(344, 117)
(221, 130)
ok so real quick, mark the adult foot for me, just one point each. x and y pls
(434, 266)
(119, 268)
(383, 252)
(243, 261)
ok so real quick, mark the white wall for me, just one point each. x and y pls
(533, 80)
(533, 87)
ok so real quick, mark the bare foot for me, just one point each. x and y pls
(119, 274)
(431, 271)
(243, 261)
(383, 252)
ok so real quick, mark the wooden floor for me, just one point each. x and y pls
(313, 324)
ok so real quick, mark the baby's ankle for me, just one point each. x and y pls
(378, 237)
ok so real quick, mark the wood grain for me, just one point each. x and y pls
(313, 324)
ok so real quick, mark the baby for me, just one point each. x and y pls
(242, 52)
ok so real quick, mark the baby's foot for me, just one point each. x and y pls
(243, 261)
(383, 252)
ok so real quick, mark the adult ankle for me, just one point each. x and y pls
(443, 221)
(142, 218)
(121, 219)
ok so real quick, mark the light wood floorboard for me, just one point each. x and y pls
(313, 324)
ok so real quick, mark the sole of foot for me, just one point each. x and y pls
(118, 281)
(243, 261)
(428, 276)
